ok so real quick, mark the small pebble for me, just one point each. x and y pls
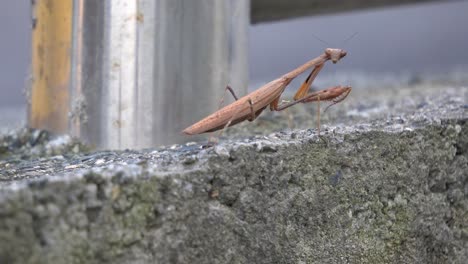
(221, 151)
(99, 162)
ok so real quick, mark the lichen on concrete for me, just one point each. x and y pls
(383, 187)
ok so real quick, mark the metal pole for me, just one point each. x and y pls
(51, 45)
(146, 69)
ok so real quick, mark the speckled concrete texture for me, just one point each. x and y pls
(385, 182)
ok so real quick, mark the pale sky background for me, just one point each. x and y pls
(429, 37)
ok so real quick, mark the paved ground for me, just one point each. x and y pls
(386, 182)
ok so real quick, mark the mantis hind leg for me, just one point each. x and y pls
(228, 88)
(318, 115)
(252, 112)
(213, 140)
(253, 115)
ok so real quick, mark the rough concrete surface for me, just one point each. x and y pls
(386, 182)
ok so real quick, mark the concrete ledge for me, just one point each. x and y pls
(392, 189)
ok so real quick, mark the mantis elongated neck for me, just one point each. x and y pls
(312, 63)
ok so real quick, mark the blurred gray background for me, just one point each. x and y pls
(15, 51)
(422, 39)
(428, 38)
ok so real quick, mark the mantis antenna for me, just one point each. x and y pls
(343, 42)
(350, 37)
(321, 40)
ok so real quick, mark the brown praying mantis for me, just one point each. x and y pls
(251, 105)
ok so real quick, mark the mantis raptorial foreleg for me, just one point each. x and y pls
(305, 87)
(335, 94)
